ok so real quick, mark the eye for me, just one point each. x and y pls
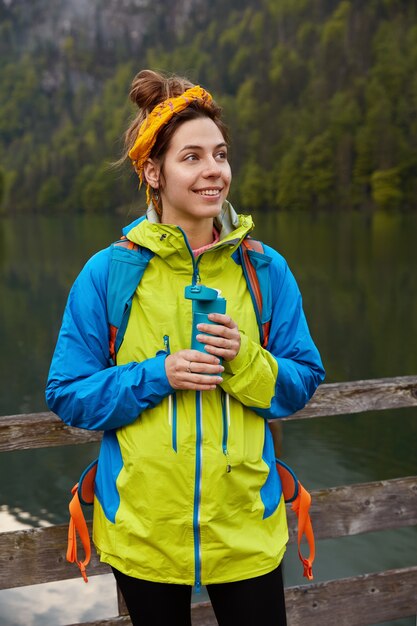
(190, 157)
(222, 155)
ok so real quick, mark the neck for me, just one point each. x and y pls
(199, 233)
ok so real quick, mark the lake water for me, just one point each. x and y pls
(357, 273)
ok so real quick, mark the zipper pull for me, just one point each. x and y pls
(166, 344)
(196, 280)
(228, 466)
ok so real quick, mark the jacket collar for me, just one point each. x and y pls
(168, 239)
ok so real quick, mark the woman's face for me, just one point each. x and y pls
(196, 175)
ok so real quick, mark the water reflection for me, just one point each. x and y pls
(41, 257)
(25, 473)
(15, 518)
(56, 604)
(345, 449)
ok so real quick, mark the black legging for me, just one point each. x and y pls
(242, 603)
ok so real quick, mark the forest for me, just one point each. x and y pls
(320, 98)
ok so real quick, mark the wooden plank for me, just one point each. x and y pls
(38, 430)
(359, 601)
(28, 557)
(359, 396)
(121, 604)
(356, 601)
(121, 620)
(202, 614)
(361, 508)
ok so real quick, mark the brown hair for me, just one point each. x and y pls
(148, 89)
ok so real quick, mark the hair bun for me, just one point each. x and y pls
(149, 88)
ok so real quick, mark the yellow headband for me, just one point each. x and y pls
(157, 118)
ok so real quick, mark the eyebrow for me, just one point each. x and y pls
(223, 144)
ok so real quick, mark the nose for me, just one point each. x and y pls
(212, 168)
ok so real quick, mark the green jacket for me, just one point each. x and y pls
(167, 508)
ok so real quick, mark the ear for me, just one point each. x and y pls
(152, 171)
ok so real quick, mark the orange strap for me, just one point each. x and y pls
(112, 342)
(301, 500)
(254, 244)
(301, 506)
(253, 278)
(78, 525)
(124, 242)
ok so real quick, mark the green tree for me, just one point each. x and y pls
(98, 193)
(50, 194)
(292, 191)
(320, 99)
(386, 188)
(2, 188)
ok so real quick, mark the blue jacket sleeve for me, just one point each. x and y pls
(300, 369)
(82, 388)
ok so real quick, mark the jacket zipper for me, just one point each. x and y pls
(198, 455)
(196, 276)
(199, 452)
(172, 404)
(197, 490)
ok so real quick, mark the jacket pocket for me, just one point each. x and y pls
(110, 464)
(271, 490)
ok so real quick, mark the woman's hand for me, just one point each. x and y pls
(193, 370)
(222, 338)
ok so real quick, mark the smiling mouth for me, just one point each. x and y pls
(208, 192)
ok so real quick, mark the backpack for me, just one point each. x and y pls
(127, 266)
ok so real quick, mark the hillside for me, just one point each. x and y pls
(320, 97)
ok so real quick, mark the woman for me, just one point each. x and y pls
(187, 491)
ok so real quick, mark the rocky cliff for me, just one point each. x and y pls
(112, 25)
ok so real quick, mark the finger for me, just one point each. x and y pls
(198, 367)
(198, 387)
(181, 375)
(221, 318)
(224, 348)
(205, 380)
(213, 329)
(231, 330)
(196, 356)
(216, 341)
(198, 382)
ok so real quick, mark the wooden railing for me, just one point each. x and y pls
(28, 557)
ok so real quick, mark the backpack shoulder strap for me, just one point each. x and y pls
(127, 266)
(257, 288)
